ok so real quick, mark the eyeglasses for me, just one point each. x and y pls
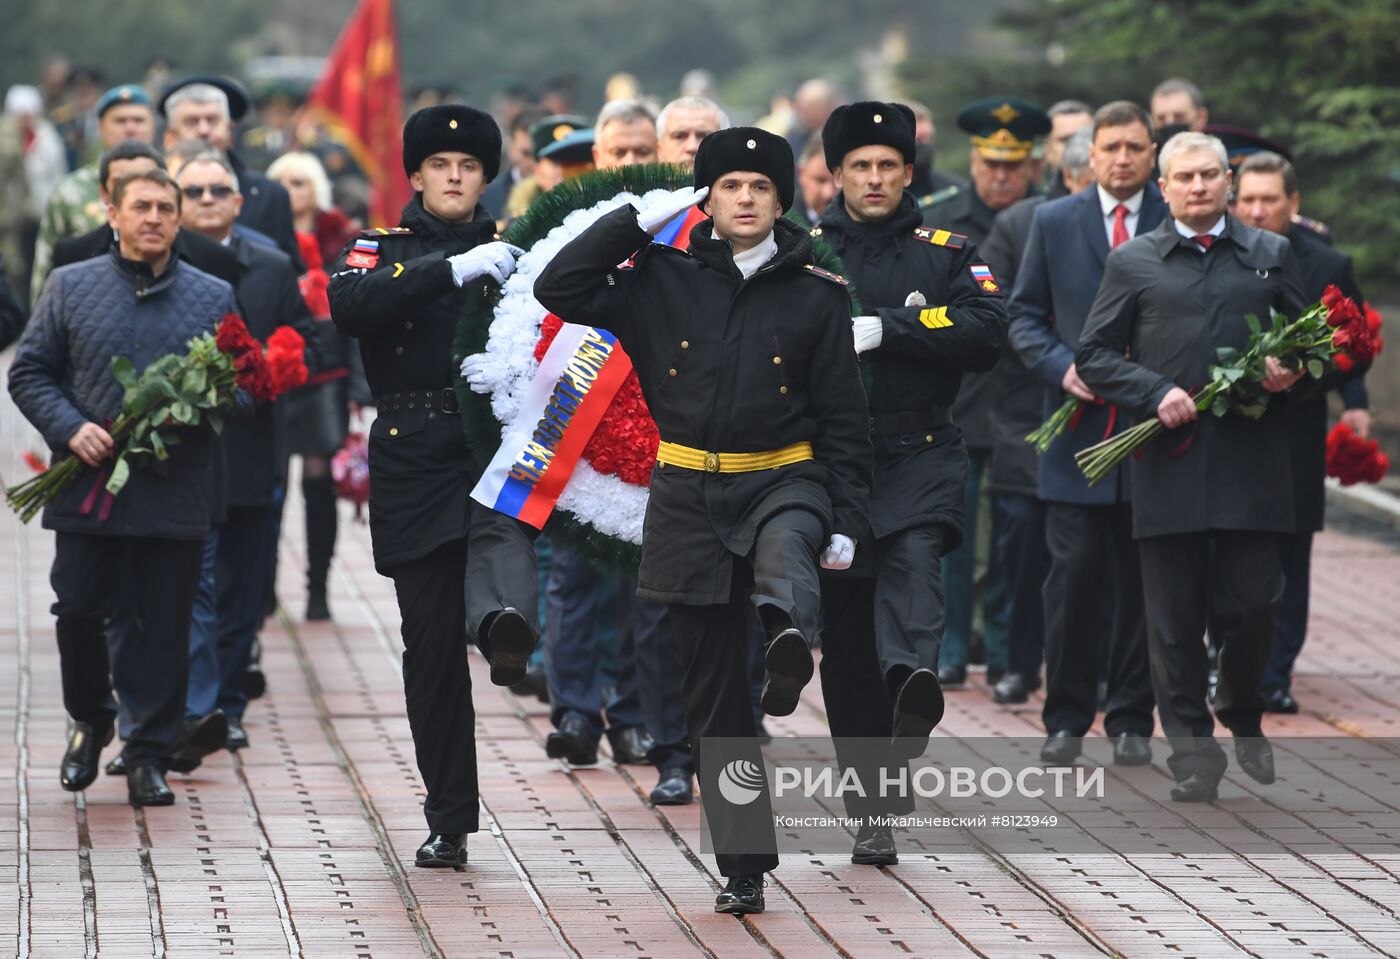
(218, 191)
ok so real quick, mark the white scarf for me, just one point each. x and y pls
(750, 260)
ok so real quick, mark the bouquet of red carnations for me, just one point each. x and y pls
(1353, 459)
(176, 392)
(1333, 333)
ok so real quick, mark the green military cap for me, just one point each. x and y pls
(553, 129)
(1003, 128)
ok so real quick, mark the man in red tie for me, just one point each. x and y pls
(1169, 300)
(1093, 561)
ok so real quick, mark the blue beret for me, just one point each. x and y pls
(126, 93)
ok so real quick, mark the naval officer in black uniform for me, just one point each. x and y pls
(400, 291)
(743, 348)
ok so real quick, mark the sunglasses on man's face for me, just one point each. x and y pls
(218, 191)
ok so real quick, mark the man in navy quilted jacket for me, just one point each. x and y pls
(142, 303)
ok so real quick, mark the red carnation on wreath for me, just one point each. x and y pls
(1353, 459)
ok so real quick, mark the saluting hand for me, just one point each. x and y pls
(496, 260)
(663, 210)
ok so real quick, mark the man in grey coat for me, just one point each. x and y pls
(140, 302)
(1169, 300)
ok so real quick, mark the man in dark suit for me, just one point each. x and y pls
(1266, 197)
(199, 251)
(1168, 302)
(255, 445)
(206, 108)
(1088, 530)
(1018, 513)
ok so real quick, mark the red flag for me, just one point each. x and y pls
(359, 97)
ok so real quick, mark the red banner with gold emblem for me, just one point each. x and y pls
(359, 97)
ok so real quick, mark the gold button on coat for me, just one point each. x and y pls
(777, 360)
(393, 431)
(672, 371)
(782, 390)
(685, 344)
(398, 349)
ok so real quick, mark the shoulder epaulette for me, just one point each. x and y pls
(947, 193)
(386, 231)
(826, 275)
(1308, 223)
(954, 241)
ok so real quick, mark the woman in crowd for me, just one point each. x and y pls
(320, 410)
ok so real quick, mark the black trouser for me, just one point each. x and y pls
(152, 666)
(241, 590)
(1019, 525)
(659, 673)
(908, 607)
(441, 597)
(1181, 589)
(1296, 556)
(1093, 560)
(714, 648)
(859, 704)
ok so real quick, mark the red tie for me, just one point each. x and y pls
(1120, 225)
(1205, 239)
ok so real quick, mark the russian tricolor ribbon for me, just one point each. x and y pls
(578, 377)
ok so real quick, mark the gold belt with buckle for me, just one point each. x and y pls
(687, 457)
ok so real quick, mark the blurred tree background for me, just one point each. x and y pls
(1318, 75)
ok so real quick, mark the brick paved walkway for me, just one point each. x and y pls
(302, 845)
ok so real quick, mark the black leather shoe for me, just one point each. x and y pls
(994, 676)
(237, 737)
(1196, 788)
(742, 896)
(117, 767)
(919, 707)
(1131, 750)
(1256, 758)
(1279, 701)
(84, 755)
(510, 641)
(1061, 748)
(442, 850)
(952, 677)
(787, 668)
(200, 737)
(1011, 688)
(534, 684)
(673, 788)
(630, 745)
(874, 847)
(254, 682)
(572, 741)
(146, 786)
(317, 609)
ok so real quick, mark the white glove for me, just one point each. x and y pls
(663, 210)
(496, 260)
(474, 369)
(839, 553)
(868, 332)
